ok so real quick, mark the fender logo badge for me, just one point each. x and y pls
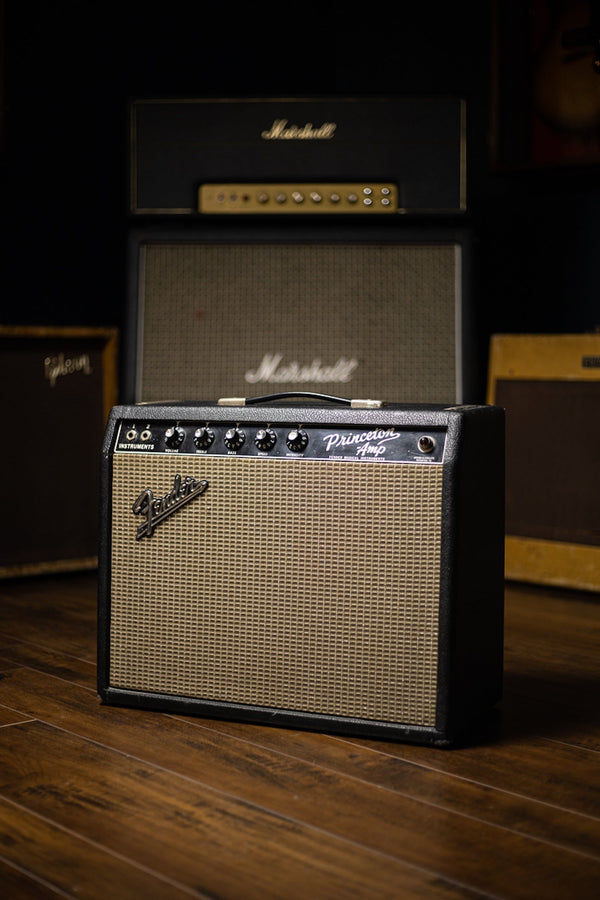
(157, 509)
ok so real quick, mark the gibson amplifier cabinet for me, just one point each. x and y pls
(324, 564)
(359, 308)
(549, 386)
(58, 386)
(366, 157)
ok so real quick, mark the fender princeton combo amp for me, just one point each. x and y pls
(317, 565)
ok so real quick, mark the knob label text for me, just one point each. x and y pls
(157, 509)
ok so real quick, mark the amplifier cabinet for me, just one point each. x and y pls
(282, 156)
(549, 385)
(58, 387)
(363, 309)
(328, 568)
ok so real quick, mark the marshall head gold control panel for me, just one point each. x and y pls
(281, 198)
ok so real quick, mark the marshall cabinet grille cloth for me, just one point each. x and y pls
(366, 319)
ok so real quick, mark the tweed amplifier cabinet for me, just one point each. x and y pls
(549, 385)
(296, 156)
(361, 309)
(315, 565)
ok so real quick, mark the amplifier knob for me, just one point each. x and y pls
(174, 436)
(203, 438)
(265, 439)
(297, 440)
(234, 438)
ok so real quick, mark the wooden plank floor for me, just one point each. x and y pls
(99, 802)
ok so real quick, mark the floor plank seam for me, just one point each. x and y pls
(198, 723)
(479, 784)
(552, 740)
(45, 648)
(37, 878)
(274, 814)
(295, 821)
(193, 722)
(43, 671)
(428, 873)
(483, 784)
(104, 849)
(23, 721)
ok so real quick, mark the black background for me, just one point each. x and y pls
(70, 69)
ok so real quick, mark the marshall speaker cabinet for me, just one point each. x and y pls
(280, 250)
(318, 565)
(345, 308)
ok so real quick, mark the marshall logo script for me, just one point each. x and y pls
(281, 131)
(157, 509)
(270, 371)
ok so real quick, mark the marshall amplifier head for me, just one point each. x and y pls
(231, 157)
(317, 565)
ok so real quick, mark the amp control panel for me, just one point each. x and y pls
(282, 198)
(291, 440)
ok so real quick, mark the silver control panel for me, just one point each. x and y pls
(285, 441)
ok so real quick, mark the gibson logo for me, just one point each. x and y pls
(281, 131)
(157, 509)
(58, 366)
(270, 371)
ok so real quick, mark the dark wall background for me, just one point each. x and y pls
(70, 68)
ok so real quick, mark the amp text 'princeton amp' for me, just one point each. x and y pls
(315, 564)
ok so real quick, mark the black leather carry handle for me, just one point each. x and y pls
(301, 395)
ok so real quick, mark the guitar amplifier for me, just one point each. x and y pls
(327, 564)
(62, 381)
(356, 308)
(549, 386)
(274, 249)
(195, 157)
